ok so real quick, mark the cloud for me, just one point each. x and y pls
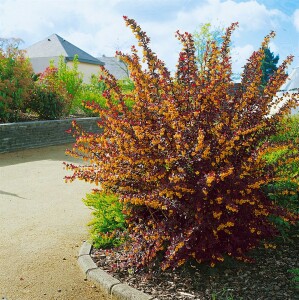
(98, 28)
(296, 19)
(240, 55)
(92, 26)
(250, 14)
(274, 47)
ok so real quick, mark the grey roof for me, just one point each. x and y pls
(291, 86)
(115, 66)
(55, 46)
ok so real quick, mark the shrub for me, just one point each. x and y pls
(90, 93)
(71, 79)
(50, 99)
(187, 161)
(109, 221)
(93, 93)
(283, 156)
(49, 105)
(15, 80)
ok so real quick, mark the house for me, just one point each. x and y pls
(291, 86)
(115, 66)
(53, 47)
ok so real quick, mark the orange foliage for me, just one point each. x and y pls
(187, 160)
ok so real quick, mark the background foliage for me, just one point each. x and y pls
(50, 98)
(15, 80)
(284, 157)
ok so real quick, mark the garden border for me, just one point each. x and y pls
(109, 285)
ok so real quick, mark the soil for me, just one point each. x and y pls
(268, 278)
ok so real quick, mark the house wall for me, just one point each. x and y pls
(87, 69)
(25, 135)
(39, 65)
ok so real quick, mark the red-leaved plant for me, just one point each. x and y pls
(186, 161)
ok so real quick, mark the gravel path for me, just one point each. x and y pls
(42, 225)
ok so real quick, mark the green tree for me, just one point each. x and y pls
(71, 77)
(202, 37)
(268, 65)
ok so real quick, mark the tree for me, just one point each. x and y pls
(187, 161)
(202, 37)
(15, 79)
(71, 77)
(66, 82)
(268, 65)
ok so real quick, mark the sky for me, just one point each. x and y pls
(97, 26)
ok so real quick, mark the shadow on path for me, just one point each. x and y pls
(10, 194)
(56, 153)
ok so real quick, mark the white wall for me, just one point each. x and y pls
(86, 69)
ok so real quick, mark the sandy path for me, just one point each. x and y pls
(42, 225)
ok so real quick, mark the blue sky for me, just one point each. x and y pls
(97, 27)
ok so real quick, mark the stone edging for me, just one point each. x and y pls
(108, 284)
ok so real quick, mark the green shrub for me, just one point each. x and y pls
(93, 93)
(109, 221)
(89, 93)
(72, 80)
(15, 80)
(284, 158)
(50, 98)
(127, 86)
(48, 104)
(71, 77)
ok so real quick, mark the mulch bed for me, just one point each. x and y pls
(268, 278)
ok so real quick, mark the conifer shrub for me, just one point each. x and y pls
(187, 162)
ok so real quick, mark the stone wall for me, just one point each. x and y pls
(25, 135)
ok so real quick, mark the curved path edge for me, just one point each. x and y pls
(113, 288)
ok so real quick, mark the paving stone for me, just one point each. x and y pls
(85, 249)
(103, 279)
(125, 292)
(108, 284)
(86, 263)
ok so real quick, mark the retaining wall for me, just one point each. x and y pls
(25, 135)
